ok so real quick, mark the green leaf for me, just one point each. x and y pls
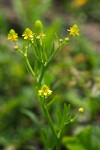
(64, 118)
(52, 49)
(47, 138)
(30, 115)
(72, 143)
(88, 139)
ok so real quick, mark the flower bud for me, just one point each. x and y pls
(12, 32)
(16, 47)
(81, 110)
(67, 39)
(72, 120)
(38, 27)
(60, 40)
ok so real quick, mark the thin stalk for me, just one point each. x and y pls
(29, 66)
(53, 54)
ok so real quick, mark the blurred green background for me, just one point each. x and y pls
(75, 79)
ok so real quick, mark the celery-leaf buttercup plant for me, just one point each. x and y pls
(36, 41)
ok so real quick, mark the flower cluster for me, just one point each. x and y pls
(44, 91)
(12, 36)
(28, 34)
(74, 30)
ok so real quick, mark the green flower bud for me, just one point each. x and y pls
(16, 47)
(38, 27)
(60, 40)
(67, 39)
(81, 110)
(72, 120)
(12, 32)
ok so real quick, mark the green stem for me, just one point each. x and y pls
(49, 121)
(42, 74)
(29, 66)
(57, 140)
(53, 54)
(58, 147)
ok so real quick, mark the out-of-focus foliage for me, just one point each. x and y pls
(30, 11)
(84, 9)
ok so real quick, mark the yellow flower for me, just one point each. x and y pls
(80, 2)
(74, 30)
(81, 110)
(12, 36)
(28, 34)
(41, 35)
(80, 58)
(44, 91)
